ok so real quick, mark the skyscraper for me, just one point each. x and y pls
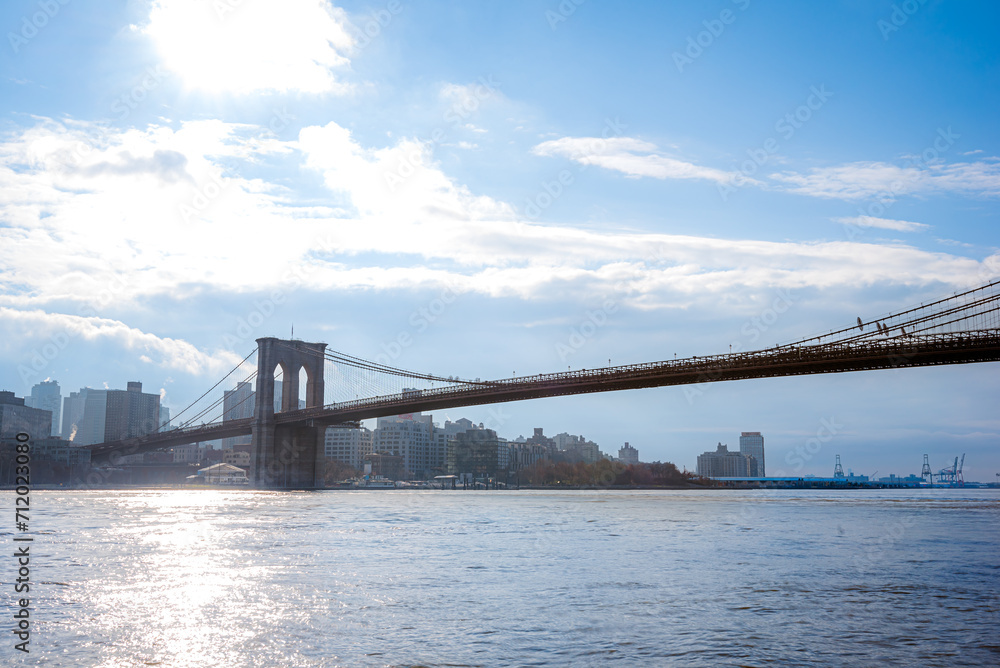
(752, 443)
(131, 413)
(237, 404)
(72, 414)
(109, 415)
(46, 395)
(90, 428)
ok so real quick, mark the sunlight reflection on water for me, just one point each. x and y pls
(244, 578)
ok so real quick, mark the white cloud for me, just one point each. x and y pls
(882, 223)
(469, 97)
(244, 47)
(633, 157)
(83, 229)
(79, 221)
(863, 180)
(852, 181)
(167, 353)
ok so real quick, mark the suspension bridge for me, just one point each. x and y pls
(340, 389)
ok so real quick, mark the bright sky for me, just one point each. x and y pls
(485, 179)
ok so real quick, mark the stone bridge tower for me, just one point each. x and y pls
(287, 456)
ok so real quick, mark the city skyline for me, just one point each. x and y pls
(338, 447)
(586, 185)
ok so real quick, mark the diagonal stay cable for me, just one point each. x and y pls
(350, 360)
(193, 403)
(216, 403)
(825, 337)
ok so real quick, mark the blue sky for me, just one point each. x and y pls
(693, 175)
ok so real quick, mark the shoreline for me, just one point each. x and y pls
(527, 488)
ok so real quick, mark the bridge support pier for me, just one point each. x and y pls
(287, 456)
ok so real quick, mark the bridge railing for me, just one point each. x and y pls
(875, 347)
(798, 358)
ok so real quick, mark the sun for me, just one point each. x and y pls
(246, 46)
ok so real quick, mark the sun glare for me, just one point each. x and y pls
(249, 45)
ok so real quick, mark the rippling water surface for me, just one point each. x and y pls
(530, 578)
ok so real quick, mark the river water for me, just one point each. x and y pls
(529, 578)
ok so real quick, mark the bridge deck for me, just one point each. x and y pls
(861, 355)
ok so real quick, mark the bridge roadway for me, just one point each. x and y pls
(864, 355)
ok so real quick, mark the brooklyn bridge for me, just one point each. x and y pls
(287, 440)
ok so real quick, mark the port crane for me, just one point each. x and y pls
(953, 474)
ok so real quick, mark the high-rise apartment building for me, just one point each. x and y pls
(92, 421)
(539, 438)
(481, 453)
(452, 429)
(578, 448)
(131, 413)
(752, 443)
(725, 464)
(412, 437)
(111, 415)
(72, 413)
(17, 417)
(46, 395)
(348, 444)
(628, 455)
